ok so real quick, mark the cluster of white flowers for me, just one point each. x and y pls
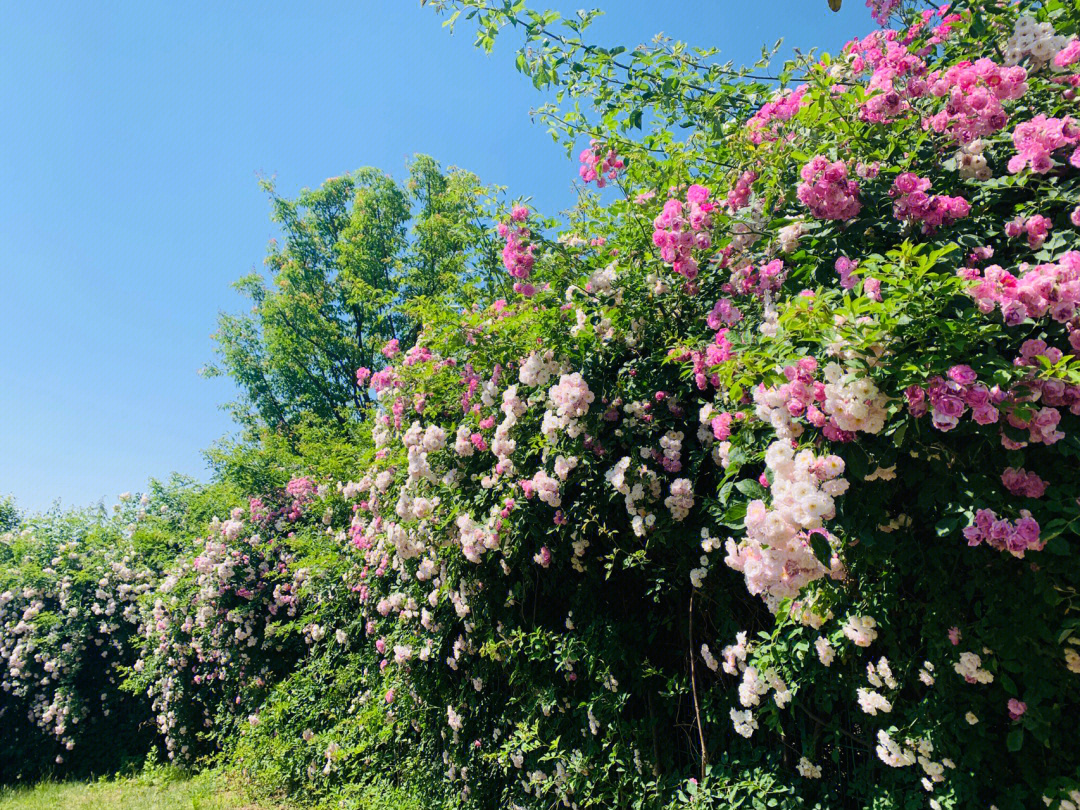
(873, 702)
(649, 486)
(547, 488)
(502, 445)
(776, 555)
(970, 668)
(735, 654)
(564, 466)
(880, 674)
(1071, 803)
(602, 281)
(744, 722)
(709, 658)
(970, 161)
(807, 769)
(1036, 41)
(825, 651)
(537, 369)
(926, 673)
(1072, 659)
(671, 444)
(681, 499)
(755, 685)
(854, 402)
(569, 401)
(463, 445)
(890, 752)
(789, 236)
(860, 630)
(475, 539)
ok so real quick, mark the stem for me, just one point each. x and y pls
(693, 689)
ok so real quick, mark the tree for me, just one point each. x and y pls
(345, 279)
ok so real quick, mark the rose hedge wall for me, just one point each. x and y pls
(756, 483)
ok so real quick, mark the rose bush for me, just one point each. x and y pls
(754, 480)
(69, 590)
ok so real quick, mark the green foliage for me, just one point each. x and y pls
(356, 256)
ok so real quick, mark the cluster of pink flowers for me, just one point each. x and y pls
(1051, 393)
(1039, 290)
(1023, 482)
(1037, 140)
(1037, 229)
(599, 164)
(1016, 708)
(756, 281)
(569, 399)
(897, 75)
(974, 91)
(724, 313)
(782, 107)
(543, 486)
(845, 267)
(518, 251)
(715, 353)
(1069, 55)
(913, 204)
(881, 10)
(1041, 425)
(682, 227)
(1005, 535)
(801, 396)
(949, 399)
(827, 191)
(681, 499)
(776, 555)
(739, 196)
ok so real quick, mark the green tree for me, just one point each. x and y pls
(347, 276)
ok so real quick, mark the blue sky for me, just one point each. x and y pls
(131, 138)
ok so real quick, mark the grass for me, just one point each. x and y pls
(161, 789)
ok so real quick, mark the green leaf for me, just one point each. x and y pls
(1015, 740)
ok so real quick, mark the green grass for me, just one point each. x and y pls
(162, 789)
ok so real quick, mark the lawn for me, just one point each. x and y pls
(164, 790)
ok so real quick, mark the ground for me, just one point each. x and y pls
(162, 790)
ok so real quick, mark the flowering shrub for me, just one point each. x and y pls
(69, 587)
(774, 502)
(219, 628)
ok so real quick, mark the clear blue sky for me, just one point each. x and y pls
(131, 136)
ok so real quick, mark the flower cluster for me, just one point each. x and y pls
(518, 251)
(1034, 41)
(682, 227)
(777, 555)
(1005, 535)
(1023, 482)
(781, 107)
(1037, 228)
(599, 164)
(949, 398)
(1037, 140)
(827, 191)
(975, 91)
(898, 75)
(1038, 290)
(913, 204)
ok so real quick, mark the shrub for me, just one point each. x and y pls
(746, 490)
(69, 584)
(753, 481)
